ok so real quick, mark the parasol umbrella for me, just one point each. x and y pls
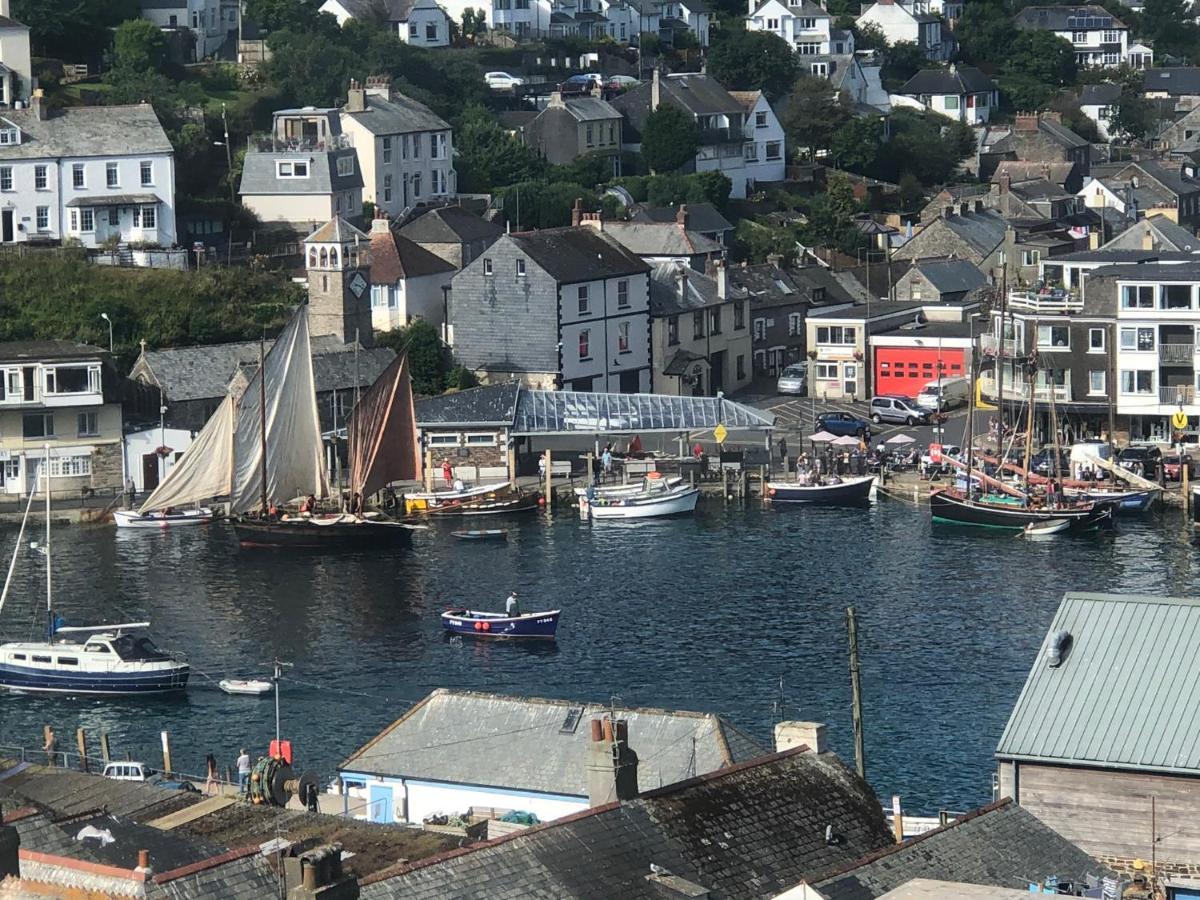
(846, 441)
(822, 437)
(901, 439)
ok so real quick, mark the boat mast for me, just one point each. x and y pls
(1030, 377)
(262, 414)
(46, 480)
(974, 386)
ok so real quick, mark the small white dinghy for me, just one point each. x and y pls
(244, 686)
(129, 518)
(1036, 531)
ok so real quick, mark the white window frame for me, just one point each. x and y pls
(78, 176)
(1132, 376)
(479, 438)
(6, 178)
(146, 172)
(87, 423)
(112, 174)
(87, 220)
(42, 218)
(1049, 331)
(826, 371)
(41, 178)
(1102, 389)
(443, 440)
(290, 168)
(345, 166)
(1103, 345)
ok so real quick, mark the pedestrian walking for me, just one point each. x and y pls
(607, 459)
(51, 747)
(243, 770)
(783, 452)
(130, 493)
(447, 472)
(212, 781)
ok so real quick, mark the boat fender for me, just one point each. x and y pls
(479, 626)
(771, 492)
(487, 626)
(1060, 646)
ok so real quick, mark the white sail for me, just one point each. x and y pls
(204, 471)
(295, 464)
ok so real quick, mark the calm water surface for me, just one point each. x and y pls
(705, 613)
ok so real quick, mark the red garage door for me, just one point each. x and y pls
(905, 370)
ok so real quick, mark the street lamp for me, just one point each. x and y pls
(105, 317)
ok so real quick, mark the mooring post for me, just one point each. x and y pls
(166, 748)
(81, 741)
(549, 476)
(104, 753)
(860, 760)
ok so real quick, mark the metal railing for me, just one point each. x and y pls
(1177, 395)
(1020, 390)
(269, 143)
(1046, 301)
(989, 343)
(1176, 354)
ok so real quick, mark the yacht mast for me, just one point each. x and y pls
(46, 484)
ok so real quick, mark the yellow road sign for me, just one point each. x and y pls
(720, 433)
(1179, 420)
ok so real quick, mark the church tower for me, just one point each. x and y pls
(339, 282)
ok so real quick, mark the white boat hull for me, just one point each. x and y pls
(240, 686)
(625, 490)
(128, 518)
(675, 503)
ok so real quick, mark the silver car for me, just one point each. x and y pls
(792, 380)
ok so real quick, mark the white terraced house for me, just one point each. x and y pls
(806, 26)
(87, 173)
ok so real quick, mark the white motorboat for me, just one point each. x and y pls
(249, 687)
(167, 518)
(625, 490)
(421, 502)
(654, 500)
(1036, 531)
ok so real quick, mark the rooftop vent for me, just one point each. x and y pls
(571, 722)
(1060, 646)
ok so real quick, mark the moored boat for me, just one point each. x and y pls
(473, 623)
(486, 534)
(334, 531)
(994, 511)
(1124, 501)
(831, 491)
(167, 518)
(429, 501)
(500, 505)
(625, 490)
(1041, 530)
(654, 500)
(245, 686)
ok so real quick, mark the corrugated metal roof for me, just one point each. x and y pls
(1126, 693)
(568, 412)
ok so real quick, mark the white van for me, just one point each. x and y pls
(954, 392)
(127, 771)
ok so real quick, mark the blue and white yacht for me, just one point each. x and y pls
(85, 660)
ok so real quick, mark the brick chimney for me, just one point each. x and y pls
(10, 847)
(611, 763)
(143, 866)
(1005, 181)
(379, 86)
(593, 220)
(793, 734)
(655, 90)
(577, 213)
(356, 98)
(1026, 122)
(1052, 115)
(681, 215)
(318, 874)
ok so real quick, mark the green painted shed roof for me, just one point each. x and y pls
(1127, 693)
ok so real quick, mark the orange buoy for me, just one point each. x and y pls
(541, 501)
(479, 626)
(487, 626)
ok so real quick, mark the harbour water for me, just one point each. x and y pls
(697, 613)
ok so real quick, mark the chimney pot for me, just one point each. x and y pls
(622, 730)
(143, 859)
(964, 208)
(978, 206)
(597, 730)
(608, 730)
(655, 89)
(577, 212)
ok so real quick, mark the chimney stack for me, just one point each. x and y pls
(964, 208)
(37, 101)
(318, 873)
(356, 98)
(947, 211)
(681, 284)
(655, 90)
(143, 865)
(555, 101)
(379, 86)
(380, 224)
(722, 280)
(593, 220)
(611, 763)
(577, 213)
(1148, 239)
(793, 734)
(1026, 122)
(1005, 181)
(774, 259)
(978, 206)
(681, 215)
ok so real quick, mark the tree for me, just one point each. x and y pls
(985, 32)
(755, 241)
(310, 68)
(275, 15)
(542, 204)
(753, 61)
(813, 114)
(859, 145)
(669, 138)
(902, 61)
(488, 157)
(1134, 116)
(868, 37)
(139, 46)
(1171, 26)
(73, 30)
(926, 146)
(1043, 57)
(831, 218)
(429, 359)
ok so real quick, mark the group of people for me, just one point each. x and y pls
(212, 778)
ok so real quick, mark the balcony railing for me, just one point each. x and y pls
(1020, 390)
(990, 344)
(710, 136)
(1177, 395)
(1176, 354)
(1047, 301)
(269, 143)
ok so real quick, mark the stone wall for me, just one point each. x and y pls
(108, 472)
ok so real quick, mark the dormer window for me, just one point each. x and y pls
(9, 136)
(291, 169)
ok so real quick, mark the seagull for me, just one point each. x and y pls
(656, 869)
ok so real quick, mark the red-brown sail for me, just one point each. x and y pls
(382, 433)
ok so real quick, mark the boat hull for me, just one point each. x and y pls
(852, 490)
(493, 626)
(491, 534)
(127, 518)
(1126, 502)
(499, 507)
(28, 680)
(304, 534)
(949, 509)
(432, 501)
(676, 503)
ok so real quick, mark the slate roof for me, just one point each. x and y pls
(450, 225)
(750, 831)
(1039, 189)
(395, 257)
(590, 109)
(572, 255)
(678, 364)
(660, 239)
(1058, 18)
(1170, 177)
(666, 298)
(767, 284)
(1166, 235)
(1020, 170)
(397, 115)
(702, 217)
(805, 8)
(1103, 94)
(493, 404)
(203, 372)
(258, 173)
(16, 351)
(1000, 844)
(517, 743)
(336, 231)
(955, 80)
(1125, 695)
(1183, 81)
(86, 131)
(701, 95)
(950, 276)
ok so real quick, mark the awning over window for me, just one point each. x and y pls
(115, 200)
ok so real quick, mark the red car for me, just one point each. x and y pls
(1172, 466)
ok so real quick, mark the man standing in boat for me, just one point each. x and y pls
(512, 608)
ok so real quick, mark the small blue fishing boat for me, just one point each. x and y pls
(473, 623)
(1125, 502)
(486, 534)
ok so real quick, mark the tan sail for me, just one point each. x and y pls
(382, 433)
(295, 455)
(204, 471)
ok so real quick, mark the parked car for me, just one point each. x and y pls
(952, 451)
(792, 380)
(1142, 461)
(581, 84)
(1173, 464)
(621, 82)
(841, 423)
(891, 408)
(502, 81)
(127, 771)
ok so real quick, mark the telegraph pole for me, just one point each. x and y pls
(860, 758)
